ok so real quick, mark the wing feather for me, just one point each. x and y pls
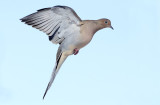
(53, 21)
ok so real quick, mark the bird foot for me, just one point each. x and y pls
(75, 52)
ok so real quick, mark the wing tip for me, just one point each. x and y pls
(21, 19)
(24, 19)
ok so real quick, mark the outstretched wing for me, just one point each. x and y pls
(54, 21)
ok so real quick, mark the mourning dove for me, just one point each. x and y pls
(64, 27)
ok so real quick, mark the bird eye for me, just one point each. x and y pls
(106, 22)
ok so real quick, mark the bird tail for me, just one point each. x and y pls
(60, 59)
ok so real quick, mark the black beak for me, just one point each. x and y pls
(111, 27)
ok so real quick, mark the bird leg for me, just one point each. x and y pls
(75, 51)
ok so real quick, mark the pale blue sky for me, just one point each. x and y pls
(118, 67)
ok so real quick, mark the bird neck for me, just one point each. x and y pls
(90, 26)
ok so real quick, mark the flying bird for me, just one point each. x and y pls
(64, 27)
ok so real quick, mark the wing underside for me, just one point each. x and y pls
(54, 21)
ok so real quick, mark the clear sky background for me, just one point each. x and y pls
(118, 67)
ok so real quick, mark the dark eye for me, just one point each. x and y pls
(106, 22)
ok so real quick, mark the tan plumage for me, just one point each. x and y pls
(64, 27)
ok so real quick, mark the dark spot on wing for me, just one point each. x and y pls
(51, 37)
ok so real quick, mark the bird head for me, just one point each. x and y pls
(106, 23)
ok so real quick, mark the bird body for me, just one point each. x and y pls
(64, 27)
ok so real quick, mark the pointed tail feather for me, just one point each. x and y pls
(50, 82)
(58, 64)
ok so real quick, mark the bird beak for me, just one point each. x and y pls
(111, 27)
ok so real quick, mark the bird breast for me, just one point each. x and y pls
(84, 39)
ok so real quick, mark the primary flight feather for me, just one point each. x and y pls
(64, 27)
